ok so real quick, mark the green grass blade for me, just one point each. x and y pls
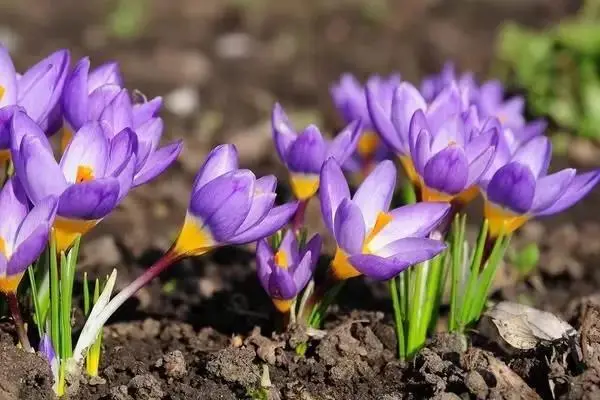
(54, 298)
(36, 305)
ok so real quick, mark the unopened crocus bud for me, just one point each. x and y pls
(285, 271)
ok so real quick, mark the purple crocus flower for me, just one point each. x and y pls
(37, 92)
(440, 145)
(522, 189)
(229, 206)
(304, 153)
(349, 98)
(23, 232)
(286, 272)
(371, 239)
(97, 95)
(47, 351)
(91, 179)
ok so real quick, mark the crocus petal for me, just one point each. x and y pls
(8, 79)
(224, 203)
(100, 99)
(283, 132)
(446, 105)
(345, 142)
(281, 284)
(551, 187)
(89, 200)
(158, 162)
(375, 194)
(396, 257)
(146, 111)
(289, 247)
(314, 246)
(266, 184)
(75, 94)
(577, 189)
(105, 74)
(264, 255)
(89, 148)
(149, 134)
(221, 160)
(451, 131)
(334, 189)
(42, 214)
(447, 171)
(532, 129)
(125, 178)
(14, 206)
(349, 227)
(535, 154)
(414, 220)
(40, 87)
(273, 221)
(119, 113)
(35, 157)
(513, 187)
(3, 266)
(407, 100)
(382, 122)
(6, 116)
(418, 123)
(122, 146)
(421, 152)
(29, 250)
(307, 153)
(481, 143)
(261, 204)
(479, 166)
(303, 272)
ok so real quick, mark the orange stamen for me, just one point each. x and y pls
(281, 259)
(84, 174)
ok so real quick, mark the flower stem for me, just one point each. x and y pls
(320, 309)
(298, 220)
(398, 319)
(13, 304)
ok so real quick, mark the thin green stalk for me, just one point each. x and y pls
(65, 309)
(416, 308)
(431, 303)
(456, 249)
(473, 278)
(54, 298)
(94, 353)
(36, 305)
(404, 278)
(86, 295)
(398, 319)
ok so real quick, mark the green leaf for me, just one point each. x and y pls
(527, 259)
(580, 36)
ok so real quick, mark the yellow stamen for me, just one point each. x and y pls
(66, 136)
(66, 231)
(281, 259)
(463, 198)
(382, 220)
(367, 144)
(282, 305)
(84, 174)
(410, 170)
(194, 239)
(9, 284)
(3, 247)
(4, 156)
(304, 186)
(2, 91)
(502, 221)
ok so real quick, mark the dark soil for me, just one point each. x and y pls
(192, 334)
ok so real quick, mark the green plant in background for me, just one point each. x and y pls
(558, 68)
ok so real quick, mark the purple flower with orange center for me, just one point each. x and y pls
(97, 95)
(23, 232)
(304, 153)
(285, 273)
(522, 188)
(229, 206)
(91, 179)
(372, 240)
(37, 92)
(433, 85)
(349, 98)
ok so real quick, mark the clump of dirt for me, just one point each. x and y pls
(23, 375)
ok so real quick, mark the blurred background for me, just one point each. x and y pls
(221, 64)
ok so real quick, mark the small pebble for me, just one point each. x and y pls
(173, 365)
